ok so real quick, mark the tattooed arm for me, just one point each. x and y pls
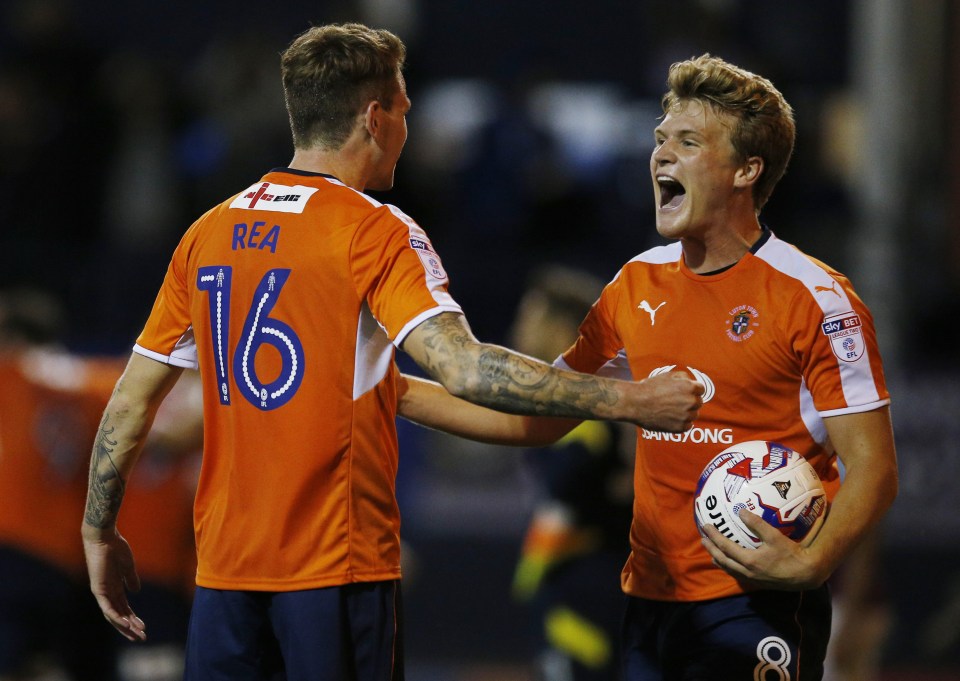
(507, 381)
(123, 429)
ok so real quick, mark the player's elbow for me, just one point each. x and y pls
(464, 385)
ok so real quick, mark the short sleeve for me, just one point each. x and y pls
(599, 341)
(398, 273)
(838, 352)
(168, 336)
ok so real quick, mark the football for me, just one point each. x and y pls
(766, 478)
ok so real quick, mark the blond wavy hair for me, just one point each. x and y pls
(764, 124)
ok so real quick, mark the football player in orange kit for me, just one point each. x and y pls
(49, 408)
(786, 351)
(290, 298)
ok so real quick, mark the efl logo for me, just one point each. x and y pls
(845, 334)
(274, 197)
(431, 261)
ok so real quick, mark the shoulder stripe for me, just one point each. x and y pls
(369, 199)
(856, 378)
(660, 255)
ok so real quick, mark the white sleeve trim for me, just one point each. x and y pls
(173, 360)
(422, 317)
(617, 368)
(858, 409)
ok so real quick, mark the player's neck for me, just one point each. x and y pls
(720, 249)
(340, 164)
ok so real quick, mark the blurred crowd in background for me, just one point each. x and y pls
(530, 135)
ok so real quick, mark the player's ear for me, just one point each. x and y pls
(371, 118)
(748, 174)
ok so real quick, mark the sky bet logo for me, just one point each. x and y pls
(845, 334)
(429, 259)
(274, 197)
(833, 325)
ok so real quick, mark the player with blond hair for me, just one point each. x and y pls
(290, 298)
(786, 351)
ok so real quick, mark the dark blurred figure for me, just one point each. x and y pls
(862, 614)
(54, 135)
(576, 544)
(142, 214)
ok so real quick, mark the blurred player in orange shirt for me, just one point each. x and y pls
(50, 406)
(786, 351)
(158, 517)
(290, 299)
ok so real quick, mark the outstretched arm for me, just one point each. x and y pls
(504, 380)
(123, 429)
(429, 404)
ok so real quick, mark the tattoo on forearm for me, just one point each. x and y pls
(517, 384)
(509, 381)
(106, 486)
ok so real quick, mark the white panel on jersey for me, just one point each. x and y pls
(661, 255)
(184, 352)
(275, 197)
(374, 354)
(811, 418)
(618, 367)
(856, 377)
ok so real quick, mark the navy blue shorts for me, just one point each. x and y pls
(760, 636)
(345, 633)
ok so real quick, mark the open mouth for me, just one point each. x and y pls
(671, 192)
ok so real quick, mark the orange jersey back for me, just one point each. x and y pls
(50, 406)
(290, 298)
(779, 340)
(157, 521)
(157, 515)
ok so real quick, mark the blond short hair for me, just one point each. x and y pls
(764, 125)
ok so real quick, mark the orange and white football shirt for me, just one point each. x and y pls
(50, 407)
(780, 342)
(290, 298)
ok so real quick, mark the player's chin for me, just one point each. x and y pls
(669, 225)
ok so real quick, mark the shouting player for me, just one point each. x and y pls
(290, 298)
(786, 351)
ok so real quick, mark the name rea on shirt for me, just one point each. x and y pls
(254, 237)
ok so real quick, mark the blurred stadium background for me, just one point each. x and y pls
(529, 141)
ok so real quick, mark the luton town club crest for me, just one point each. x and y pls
(742, 323)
